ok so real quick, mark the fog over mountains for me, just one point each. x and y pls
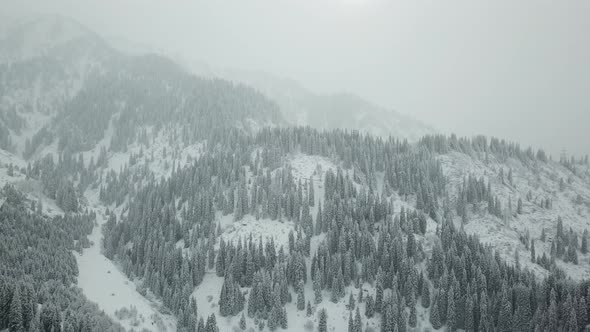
(141, 192)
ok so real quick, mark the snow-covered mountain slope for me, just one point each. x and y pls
(534, 184)
(44, 63)
(13, 172)
(61, 85)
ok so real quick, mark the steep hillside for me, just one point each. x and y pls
(546, 192)
(64, 87)
(301, 107)
(44, 63)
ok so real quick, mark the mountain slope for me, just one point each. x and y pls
(184, 195)
(64, 84)
(301, 107)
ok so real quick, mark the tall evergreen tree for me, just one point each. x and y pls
(434, 315)
(300, 298)
(323, 321)
(451, 315)
(425, 297)
(15, 316)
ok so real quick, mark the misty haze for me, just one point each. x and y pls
(328, 165)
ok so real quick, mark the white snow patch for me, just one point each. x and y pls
(542, 181)
(265, 228)
(102, 282)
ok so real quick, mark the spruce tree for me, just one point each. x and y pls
(317, 288)
(434, 315)
(358, 323)
(451, 315)
(411, 245)
(201, 325)
(425, 298)
(15, 315)
(572, 322)
(351, 302)
(582, 313)
(378, 295)
(370, 307)
(300, 298)
(484, 323)
(505, 314)
(323, 321)
(243, 322)
(274, 318)
(283, 321)
(413, 316)
(469, 324)
(211, 324)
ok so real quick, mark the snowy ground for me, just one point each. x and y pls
(33, 189)
(102, 282)
(263, 228)
(542, 180)
(164, 152)
(306, 166)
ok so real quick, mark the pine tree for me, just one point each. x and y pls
(582, 313)
(300, 298)
(378, 295)
(469, 324)
(519, 206)
(211, 324)
(411, 245)
(425, 298)
(413, 316)
(274, 318)
(201, 325)
(243, 322)
(323, 321)
(15, 316)
(284, 323)
(311, 192)
(572, 322)
(552, 316)
(434, 315)
(358, 323)
(484, 323)
(351, 302)
(505, 314)
(451, 322)
(309, 310)
(370, 307)
(319, 220)
(350, 322)
(533, 255)
(317, 288)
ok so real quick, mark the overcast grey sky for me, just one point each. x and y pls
(514, 69)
